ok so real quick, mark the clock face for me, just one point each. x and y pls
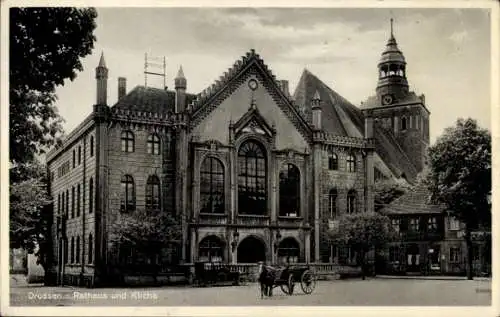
(252, 83)
(387, 100)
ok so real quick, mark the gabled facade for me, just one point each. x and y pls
(254, 173)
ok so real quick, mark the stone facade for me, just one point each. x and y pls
(250, 173)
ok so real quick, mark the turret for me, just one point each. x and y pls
(180, 91)
(392, 83)
(316, 111)
(101, 75)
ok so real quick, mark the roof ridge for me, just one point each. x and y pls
(245, 60)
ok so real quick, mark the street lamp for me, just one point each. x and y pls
(276, 243)
(234, 243)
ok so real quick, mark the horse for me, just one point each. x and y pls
(267, 279)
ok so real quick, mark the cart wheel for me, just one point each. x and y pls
(285, 289)
(291, 284)
(308, 281)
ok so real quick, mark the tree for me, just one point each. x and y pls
(30, 218)
(362, 232)
(146, 232)
(46, 45)
(386, 191)
(460, 176)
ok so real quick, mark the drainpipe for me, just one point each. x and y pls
(82, 209)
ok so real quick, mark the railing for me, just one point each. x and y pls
(422, 235)
(252, 220)
(290, 220)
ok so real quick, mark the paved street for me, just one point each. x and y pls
(371, 292)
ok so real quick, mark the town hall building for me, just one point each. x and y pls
(253, 172)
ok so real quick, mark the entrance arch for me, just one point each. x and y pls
(251, 250)
(288, 251)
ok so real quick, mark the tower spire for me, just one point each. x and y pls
(392, 33)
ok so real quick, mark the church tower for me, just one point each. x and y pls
(398, 109)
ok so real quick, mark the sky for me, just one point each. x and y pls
(447, 52)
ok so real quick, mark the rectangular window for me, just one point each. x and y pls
(396, 224)
(394, 254)
(455, 254)
(414, 224)
(432, 224)
(454, 224)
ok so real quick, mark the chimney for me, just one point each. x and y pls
(283, 84)
(316, 111)
(122, 87)
(368, 125)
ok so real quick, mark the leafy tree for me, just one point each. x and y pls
(147, 232)
(362, 232)
(46, 45)
(386, 191)
(30, 218)
(460, 176)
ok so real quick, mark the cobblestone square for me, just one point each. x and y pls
(371, 292)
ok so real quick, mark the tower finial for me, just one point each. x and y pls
(102, 63)
(392, 33)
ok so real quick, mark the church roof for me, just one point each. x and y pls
(340, 117)
(415, 201)
(149, 99)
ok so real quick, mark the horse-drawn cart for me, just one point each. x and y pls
(286, 279)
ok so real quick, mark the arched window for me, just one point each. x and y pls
(66, 251)
(153, 144)
(62, 204)
(72, 249)
(79, 155)
(351, 163)
(211, 249)
(212, 186)
(333, 161)
(417, 122)
(403, 123)
(288, 251)
(289, 191)
(332, 203)
(78, 193)
(91, 195)
(92, 146)
(127, 141)
(351, 201)
(91, 249)
(73, 202)
(128, 194)
(59, 203)
(67, 202)
(252, 177)
(77, 255)
(153, 193)
(74, 158)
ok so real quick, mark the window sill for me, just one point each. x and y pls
(205, 214)
(290, 217)
(252, 216)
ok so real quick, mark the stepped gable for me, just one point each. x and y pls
(332, 103)
(250, 63)
(415, 201)
(149, 99)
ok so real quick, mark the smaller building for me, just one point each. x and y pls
(431, 241)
